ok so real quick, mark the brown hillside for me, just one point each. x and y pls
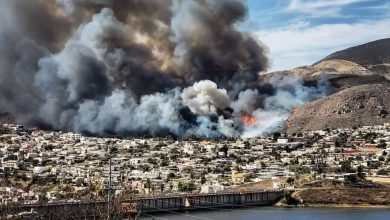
(371, 53)
(350, 196)
(356, 106)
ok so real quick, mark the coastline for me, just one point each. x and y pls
(337, 198)
(319, 205)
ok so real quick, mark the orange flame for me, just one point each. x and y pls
(249, 120)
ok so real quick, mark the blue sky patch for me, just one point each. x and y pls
(300, 32)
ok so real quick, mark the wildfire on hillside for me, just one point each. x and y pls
(249, 120)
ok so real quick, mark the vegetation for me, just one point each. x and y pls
(186, 187)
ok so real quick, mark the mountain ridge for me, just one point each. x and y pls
(360, 76)
(368, 54)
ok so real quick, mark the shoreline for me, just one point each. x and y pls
(317, 205)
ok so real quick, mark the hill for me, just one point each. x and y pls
(360, 77)
(372, 53)
(356, 106)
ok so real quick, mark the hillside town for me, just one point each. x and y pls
(45, 166)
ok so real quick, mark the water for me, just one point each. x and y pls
(271, 213)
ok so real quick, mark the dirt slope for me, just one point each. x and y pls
(356, 106)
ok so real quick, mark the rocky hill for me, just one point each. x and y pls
(356, 106)
(372, 53)
(360, 76)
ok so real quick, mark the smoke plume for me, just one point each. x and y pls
(139, 67)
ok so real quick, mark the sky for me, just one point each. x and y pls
(301, 32)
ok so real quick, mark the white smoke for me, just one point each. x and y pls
(290, 93)
(121, 114)
(246, 101)
(204, 98)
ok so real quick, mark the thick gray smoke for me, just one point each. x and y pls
(139, 67)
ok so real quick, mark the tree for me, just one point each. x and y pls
(373, 164)
(290, 180)
(276, 135)
(248, 177)
(298, 169)
(203, 179)
(171, 175)
(360, 173)
(346, 166)
(246, 145)
(186, 187)
(170, 187)
(145, 168)
(79, 182)
(289, 199)
(148, 185)
(351, 178)
(382, 172)
(225, 149)
(152, 161)
(382, 144)
(192, 175)
(164, 162)
(276, 154)
(174, 151)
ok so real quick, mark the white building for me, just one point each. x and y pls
(40, 170)
(282, 140)
(211, 188)
(188, 149)
(73, 135)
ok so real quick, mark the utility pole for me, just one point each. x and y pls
(133, 208)
(109, 185)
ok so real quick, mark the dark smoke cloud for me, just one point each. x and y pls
(135, 67)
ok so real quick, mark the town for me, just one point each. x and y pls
(38, 166)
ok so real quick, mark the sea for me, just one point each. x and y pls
(272, 213)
